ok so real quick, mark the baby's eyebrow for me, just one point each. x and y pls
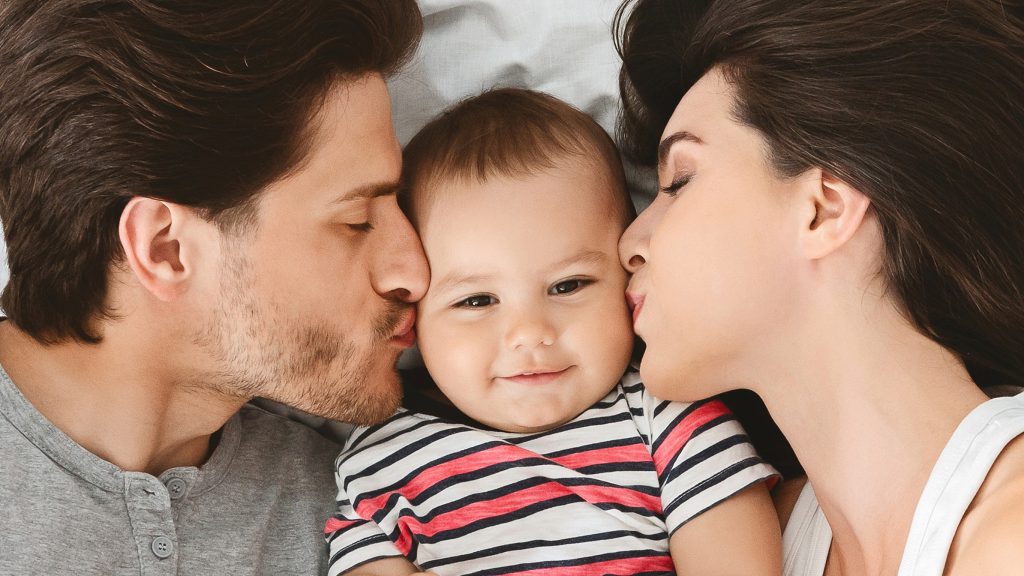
(581, 257)
(457, 278)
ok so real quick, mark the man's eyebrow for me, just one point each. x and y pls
(666, 145)
(369, 192)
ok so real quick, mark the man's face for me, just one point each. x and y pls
(315, 297)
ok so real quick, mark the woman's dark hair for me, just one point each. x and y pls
(201, 103)
(917, 103)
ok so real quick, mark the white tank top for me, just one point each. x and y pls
(958, 474)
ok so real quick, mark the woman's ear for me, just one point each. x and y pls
(155, 237)
(834, 212)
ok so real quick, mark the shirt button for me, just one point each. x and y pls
(176, 488)
(162, 547)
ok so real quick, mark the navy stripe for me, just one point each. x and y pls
(676, 422)
(446, 430)
(568, 562)
(646, 466)
(368, 541)
(596, 446)
(421, 444)
(710, 451)
(485, 522)
(575, 425)
(633, 388)
(359, 436)
(451, 480)
(697, 432)
(711, 482)
(535, 544)
(499, 492)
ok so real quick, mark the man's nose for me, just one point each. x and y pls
(401, 271)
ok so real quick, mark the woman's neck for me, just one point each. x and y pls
(868, 409)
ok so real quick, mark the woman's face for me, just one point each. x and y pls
(715, 256)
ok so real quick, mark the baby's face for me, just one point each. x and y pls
(525, 323)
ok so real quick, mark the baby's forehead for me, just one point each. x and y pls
(578, 184)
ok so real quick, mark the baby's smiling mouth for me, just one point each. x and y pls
(536, 376)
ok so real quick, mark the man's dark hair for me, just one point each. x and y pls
(200, 103)
(917, 103)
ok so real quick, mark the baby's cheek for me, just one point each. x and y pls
(456, 356)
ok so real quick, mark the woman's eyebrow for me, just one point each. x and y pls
(666, 145)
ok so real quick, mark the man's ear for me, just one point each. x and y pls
(154, 237)
(834, 212)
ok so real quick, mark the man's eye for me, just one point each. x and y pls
(478, 301)
(568, 286)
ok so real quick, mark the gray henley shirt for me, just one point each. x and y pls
(257, 506)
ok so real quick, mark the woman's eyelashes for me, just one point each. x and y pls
(677, 183)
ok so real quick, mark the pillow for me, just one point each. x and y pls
(562, 47)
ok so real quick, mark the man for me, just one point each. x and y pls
(198, 201)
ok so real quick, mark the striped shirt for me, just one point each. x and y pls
(598, 495)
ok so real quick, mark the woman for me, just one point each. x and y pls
(840, 228)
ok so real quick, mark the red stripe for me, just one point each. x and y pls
(466, 464)
(631, 453)
(622, 566)
(407, 525)
(681, 434)
(335, 524)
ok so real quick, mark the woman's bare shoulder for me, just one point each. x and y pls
(988, 539)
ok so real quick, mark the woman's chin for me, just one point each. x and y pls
(673, 380)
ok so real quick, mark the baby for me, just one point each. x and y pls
(568, 467)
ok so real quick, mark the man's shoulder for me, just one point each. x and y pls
(276, 435)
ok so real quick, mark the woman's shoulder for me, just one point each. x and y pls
(987, 540)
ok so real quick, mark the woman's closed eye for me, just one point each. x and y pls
(677, 183)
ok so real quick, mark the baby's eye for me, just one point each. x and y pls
(568, 286)
(477, 301)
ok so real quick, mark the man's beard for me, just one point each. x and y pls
(302, 363)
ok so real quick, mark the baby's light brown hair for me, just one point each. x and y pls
(511, 133)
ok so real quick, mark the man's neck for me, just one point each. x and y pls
(868, 409)
(124, 399)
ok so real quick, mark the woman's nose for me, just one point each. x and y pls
(635, 241)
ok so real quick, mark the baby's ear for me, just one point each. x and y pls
(159, 243)
(832, 211)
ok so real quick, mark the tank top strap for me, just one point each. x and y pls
(955, 480)
(807, 538)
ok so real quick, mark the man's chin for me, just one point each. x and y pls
(374, 398)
